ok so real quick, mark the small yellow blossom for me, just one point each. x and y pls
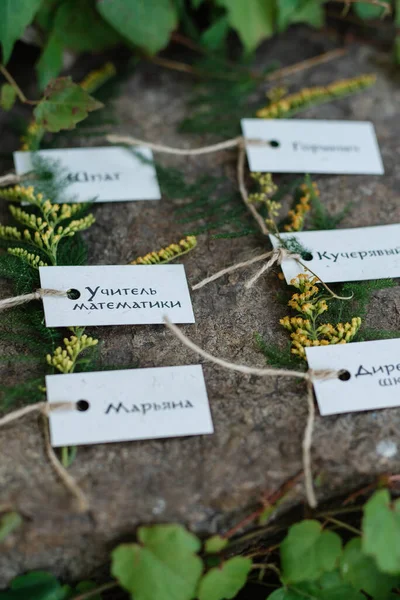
(304, 329)
(64, 359)
(167, 254)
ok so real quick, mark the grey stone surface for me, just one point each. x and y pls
(206, 482)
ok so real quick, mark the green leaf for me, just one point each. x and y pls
(299, 11)
(7, 97)
(64, 104)
(397, 49)
(50, 62)
(145, 23)
(37, 585)
(164, 566)
(15, 15)
(397, 14)
(9, 523)
(215, 544)
(225, 581)
(329, 587)
(308, 551)
(362, 573)
(88, 586)
(80, 28)
(252, 19)
(214, 37)
(381, 531)
(368, 11)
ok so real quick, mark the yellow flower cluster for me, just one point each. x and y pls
(32, 259)
(167, 254)
(64, 359)
(267, 190)
(47, 231)
(298, 214)
(295, 102)
(9, 233)
(97, 78)
(304, 329)
(31, 137)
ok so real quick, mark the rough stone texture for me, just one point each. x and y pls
(207, 481)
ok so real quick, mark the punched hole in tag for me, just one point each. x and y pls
(307, 256)
(73, 294)
(344, 375)
(82, 405)
(274, 144)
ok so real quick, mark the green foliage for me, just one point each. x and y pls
(51, 60)
(37, 585)
(308, 552)
(147, 24)
(278, 357)
(163, 566)
(253, 20)
(8, 96)
(361, 571)
(64, 104)
(225, 581)
(311, 562)
(381, 525)
(215, 544)
(299, 11)
(15, 15)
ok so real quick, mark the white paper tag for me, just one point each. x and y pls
(116, 295)
(108, 174)
(346, 254)
(374, 382)
(310, 146)
(116, 406)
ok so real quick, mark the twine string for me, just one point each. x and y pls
(45, 408)
(25, 298)
(310, 376)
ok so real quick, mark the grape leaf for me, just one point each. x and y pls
(37, 585)
(163, 566)
(225, 581)
(299, 11)
(145, 23)
(50, 62)
(8, 96)
(308, 551)
(15, 15)
(369, 11)
(362, 573)
(381, 531)
(329, 587)
(64, 104)
(253, 20)
(79, 27)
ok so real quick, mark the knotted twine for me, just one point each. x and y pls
(274, 256)
(310, 376)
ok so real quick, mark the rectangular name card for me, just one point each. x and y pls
(137, 404)
(341, 255)
(371, 377)
(108, 174)
(116, 295)
(312, 146)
